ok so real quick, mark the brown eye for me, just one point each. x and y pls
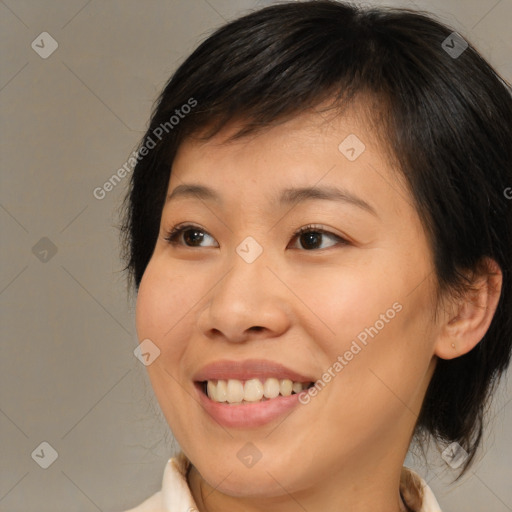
(189, 236)
(311, 238)
(193, 236)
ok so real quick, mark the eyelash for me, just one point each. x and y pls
(311, 228)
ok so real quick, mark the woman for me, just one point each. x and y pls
(319, 232)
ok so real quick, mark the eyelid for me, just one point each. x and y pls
(315, 228)
(180, 228)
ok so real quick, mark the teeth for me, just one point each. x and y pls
(212, 390)
(253, 390)
(235, 391)
(285, 387)
(297, 387)
(221, 391)
(271, 388)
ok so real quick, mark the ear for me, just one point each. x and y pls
(470, 316)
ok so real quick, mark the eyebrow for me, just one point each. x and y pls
(287, 197)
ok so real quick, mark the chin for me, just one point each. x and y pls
(260, 481)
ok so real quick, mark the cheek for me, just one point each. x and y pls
(379, 320)
(165, 296)
(386, 350)
(163, 315)
(350, 299)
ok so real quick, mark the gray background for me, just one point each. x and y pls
(68, 373)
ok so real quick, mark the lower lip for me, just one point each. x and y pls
(247, 415)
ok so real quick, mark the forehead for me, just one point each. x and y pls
(317, 148)
(306, 134)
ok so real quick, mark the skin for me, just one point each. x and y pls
(345, 449)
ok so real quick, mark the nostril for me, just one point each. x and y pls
(256, 328)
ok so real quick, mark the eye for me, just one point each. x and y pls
(311, 237)
(189, 236)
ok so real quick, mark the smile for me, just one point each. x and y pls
(237, 392)
(249, 393)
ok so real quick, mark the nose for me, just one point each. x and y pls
(248, 302)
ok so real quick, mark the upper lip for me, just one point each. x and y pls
(248, 369)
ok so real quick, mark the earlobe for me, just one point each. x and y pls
(472, 314)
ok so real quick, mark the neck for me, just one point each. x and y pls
(373, 490)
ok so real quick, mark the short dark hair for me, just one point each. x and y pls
(446, 119)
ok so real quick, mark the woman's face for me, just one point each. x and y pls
(241, 297)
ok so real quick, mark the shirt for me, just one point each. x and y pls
(175, 495)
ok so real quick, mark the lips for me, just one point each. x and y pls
(249, 393)
(249, 369)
